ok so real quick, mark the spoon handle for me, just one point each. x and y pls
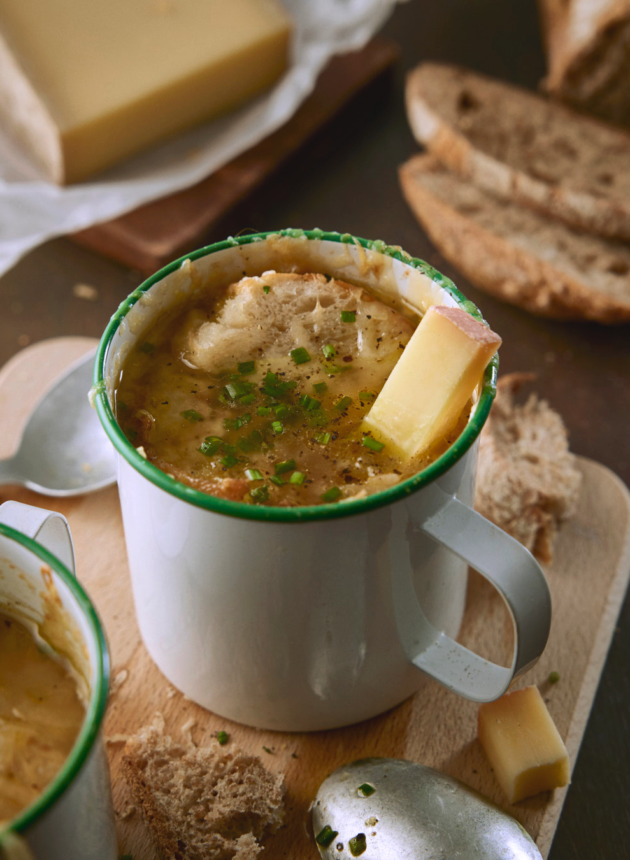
(9, 474)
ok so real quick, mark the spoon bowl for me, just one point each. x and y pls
(64, 450)
(389, 809)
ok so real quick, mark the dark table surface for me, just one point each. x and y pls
(346, 180)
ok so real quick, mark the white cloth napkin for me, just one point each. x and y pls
(32, 211)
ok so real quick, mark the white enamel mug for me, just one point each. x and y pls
(73, 818)
(311, 618)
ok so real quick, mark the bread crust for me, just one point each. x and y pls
(600, 211)
(587, 57)
(499, 267)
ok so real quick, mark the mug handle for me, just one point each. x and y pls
(518, 578)
(48, 528)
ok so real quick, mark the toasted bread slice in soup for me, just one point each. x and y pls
(516, 254)
(278, 312)
(523, 148)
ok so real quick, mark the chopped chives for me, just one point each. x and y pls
(343, 404)
(232, 423)
(281, 411)
(357, 845)
(273, 387)
(309, 402)
(285, 466)
(131, 434)
(222, 737)
(210, 445)
(254, 475)
(191, 415)
(277, 427)
(331, 495)
(366, 395)
(372, 444)
(246, 367)
(279, 482)
(238, 389)
(348, 316)
(300, 355)
(297, 478)
(266, 288)
(322, 438)
(329, 350)
(229, 461)
(147, 348)
(247, 399)
(366, 790)
(260, 494)
(246, 418)
(263, 410)
(327, 836)
(319, 387)
(554, 677)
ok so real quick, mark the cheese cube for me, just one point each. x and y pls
(523, 744)
(432, 381)
(86, 83)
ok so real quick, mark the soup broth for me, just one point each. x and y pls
(258, 395)
(41, 714)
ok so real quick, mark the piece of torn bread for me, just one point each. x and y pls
(201, 803)
(519, 255)
(277, 312)
(524, 148)
(528, 481)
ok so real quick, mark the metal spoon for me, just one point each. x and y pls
(413, 813)
(64, 450)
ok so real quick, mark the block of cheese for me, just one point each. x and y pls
(523, 744)
(432, 381)
(86, 83)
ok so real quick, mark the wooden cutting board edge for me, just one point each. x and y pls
(592, 675)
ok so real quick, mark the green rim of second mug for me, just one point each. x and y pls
(98, 693)
(307, 513)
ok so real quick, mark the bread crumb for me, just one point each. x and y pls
(85, 291)
(201, 803)
(187, 728)
(116, 739)
(117, 681)
(528, 481)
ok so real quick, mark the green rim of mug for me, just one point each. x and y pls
(98, 693)
(307, 513)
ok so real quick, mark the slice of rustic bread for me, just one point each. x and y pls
(277, 312)
(588, 55)
(516, 254)
(524, 148)
(201, 803)
(527, 479)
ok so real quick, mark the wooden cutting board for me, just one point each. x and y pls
(160, 231)
(588, 580)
